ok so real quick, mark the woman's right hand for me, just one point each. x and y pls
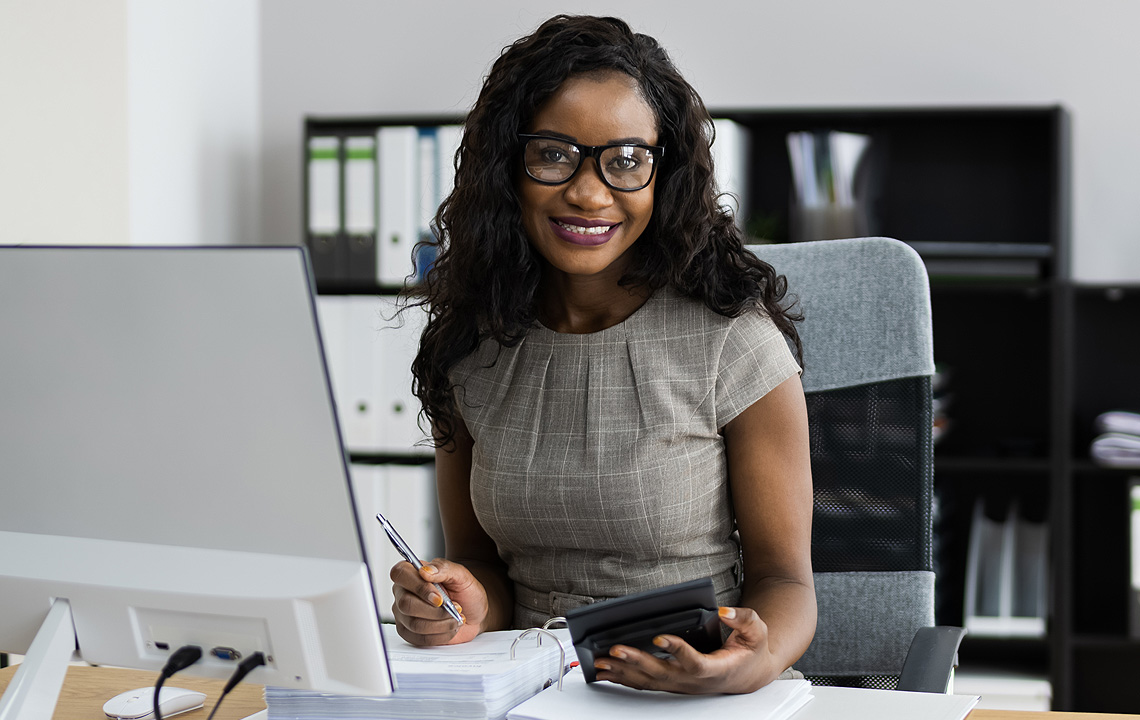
(420, 617)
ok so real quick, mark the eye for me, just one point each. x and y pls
(627, 160)
(553, 155)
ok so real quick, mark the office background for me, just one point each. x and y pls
(180, 121)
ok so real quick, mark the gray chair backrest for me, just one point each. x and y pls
(868, 359)
(866, 305)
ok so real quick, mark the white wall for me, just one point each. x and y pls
(152, 120)
(193, 116)
(361, 56)
(129, 121)
(63, 120)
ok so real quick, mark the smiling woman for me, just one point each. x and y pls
(607, 371)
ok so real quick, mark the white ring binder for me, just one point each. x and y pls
(543, 631)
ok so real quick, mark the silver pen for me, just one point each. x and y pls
(404, 549)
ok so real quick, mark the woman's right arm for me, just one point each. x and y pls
(472, 572)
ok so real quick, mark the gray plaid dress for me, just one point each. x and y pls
(598, 468)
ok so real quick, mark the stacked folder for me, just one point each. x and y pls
(472, 681)
(369, 346)
(1006, 574)
(371, 196)
(1118, 440)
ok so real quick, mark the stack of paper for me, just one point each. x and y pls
(775, 701)
(475, 680)
(1118, 442)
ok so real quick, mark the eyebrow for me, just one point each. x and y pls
(571, 138)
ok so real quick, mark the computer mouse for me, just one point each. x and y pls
(139, 704)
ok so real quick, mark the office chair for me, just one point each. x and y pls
(868, 362)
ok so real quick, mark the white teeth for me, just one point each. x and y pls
(600, 230)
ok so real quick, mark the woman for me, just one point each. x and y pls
(605, 370)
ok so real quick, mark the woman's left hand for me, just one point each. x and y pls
(743, 665)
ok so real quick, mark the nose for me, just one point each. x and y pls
(586, 189)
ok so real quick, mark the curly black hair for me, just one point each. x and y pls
(484, 283)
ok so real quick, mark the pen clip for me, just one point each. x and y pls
(398, 542)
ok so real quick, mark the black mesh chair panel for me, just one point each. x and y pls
(870, 682)
(872, 477)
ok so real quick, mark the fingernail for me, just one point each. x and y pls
(430, 569)
(458, 608)
(618, 653)
(601, 665)
(462, 619)
(727, 612)
(435, 600)
(660, 642)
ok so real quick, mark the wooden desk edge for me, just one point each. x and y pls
(85, 689)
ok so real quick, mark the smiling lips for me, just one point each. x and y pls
(583, 232)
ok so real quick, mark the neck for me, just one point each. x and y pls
(570, 304)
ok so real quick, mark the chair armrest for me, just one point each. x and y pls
(931, 660)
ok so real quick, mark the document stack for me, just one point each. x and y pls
(1118, 440)
(477, 680)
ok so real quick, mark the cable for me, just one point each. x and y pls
(245, 667)
(181, 659)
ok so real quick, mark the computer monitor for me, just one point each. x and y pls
(171, 470)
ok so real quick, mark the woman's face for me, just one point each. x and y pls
(583, 227)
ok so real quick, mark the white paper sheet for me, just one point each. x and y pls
(599, 700)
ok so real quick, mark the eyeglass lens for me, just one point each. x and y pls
(625, 167)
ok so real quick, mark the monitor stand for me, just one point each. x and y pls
(35, 687)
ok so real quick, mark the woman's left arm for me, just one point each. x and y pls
(769, 473)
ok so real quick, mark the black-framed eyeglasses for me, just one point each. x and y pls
(624, 167)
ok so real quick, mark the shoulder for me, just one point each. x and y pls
(750, 332)
(682, 316)
(754, 359)
(681, 335)
(479, 366)
(702, 355)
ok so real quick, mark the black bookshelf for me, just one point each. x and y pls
(1104, 358)
(986, 177)
(982, 195)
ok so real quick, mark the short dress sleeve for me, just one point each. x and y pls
(755, 359)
